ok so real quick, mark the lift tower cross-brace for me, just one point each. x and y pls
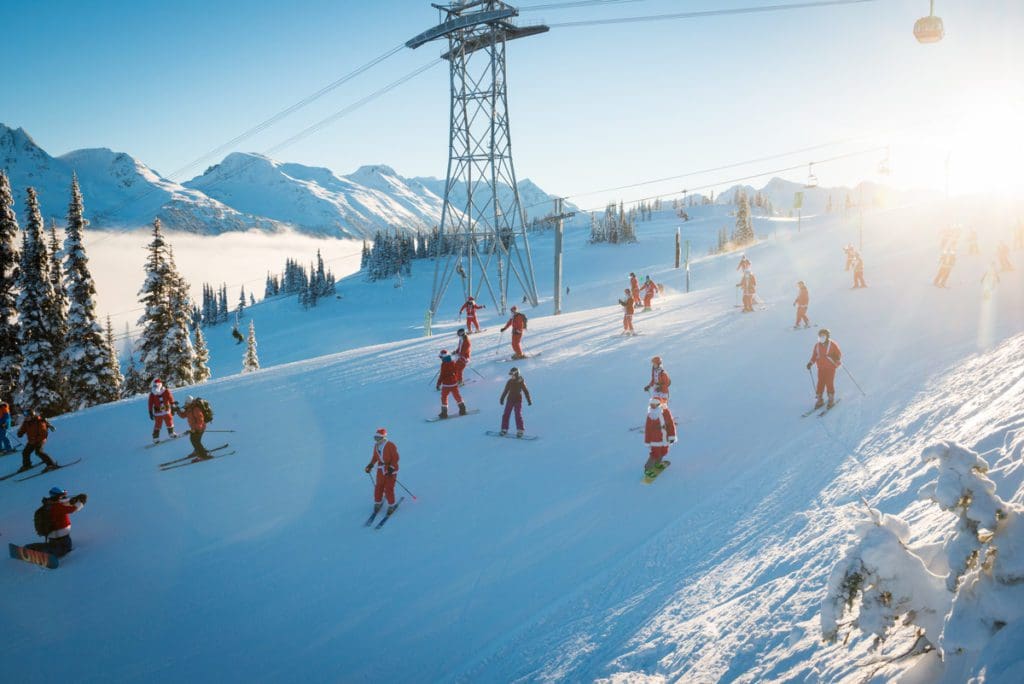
(483, 226)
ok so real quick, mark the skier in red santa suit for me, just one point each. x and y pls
(634, 288)
(470, 309)
(659, 434)
(161, 403)
(650, 289)
(462, 352)
(448, 383)
(518, 324)
(385, 458)
(828, 357)
(660, 381)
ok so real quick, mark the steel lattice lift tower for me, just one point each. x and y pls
(483, 227)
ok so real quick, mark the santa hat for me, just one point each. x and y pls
(381, 432)
(444, 353)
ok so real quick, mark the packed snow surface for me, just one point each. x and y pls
(546, 560)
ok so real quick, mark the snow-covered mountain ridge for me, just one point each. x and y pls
(243, 192)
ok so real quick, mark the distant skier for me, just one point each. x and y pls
(518, 324)
(512, 398)
(827, 355)
(634, 288)
(470, 308)
(851, 253)
(5, 424)
(744, 264)
(649, 289)
(946, 263)
(990, 280)
(660, 381)
(448, 382)
(659, 434)
(36, 430)
(972, 243)
(748, 286)
(1003, 252)
(627, 317)
(57, 508)
(803, 299)
(196, 417)
(161, 403)
(385, 457)
(858, 271)
(462, 352)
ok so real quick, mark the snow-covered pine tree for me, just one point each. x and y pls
(240, 310)
(224, 312)
(156, 319)
(10, 352)
(135, 382)
(39, 382)
(201, 367)
(58, 311)
(115, 384)
(87, 360)
(252, 299)
(268, 288)
(180, 352)
(364, 257)
(744, 232)
(251, 361)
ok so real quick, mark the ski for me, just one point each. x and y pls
(510, 435)
(191, 455)
(476, 332)
(195, 459)
(164, 441)
(829, 408)
(388, 515)
(510, 359)
(376, 510)
(636, 428)
(49, 470)
(807, 413)
(436, 419)
(19, 471)
(659, 468)
(40, 558)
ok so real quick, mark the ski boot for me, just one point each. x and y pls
(831, 401)
(503, 433)
(519, 434)
(50, 466)
(444, 413)
(819, 403)
(173, 435)
(391, 509)
(462, 409)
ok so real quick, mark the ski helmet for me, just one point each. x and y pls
(513, 371)
(825, 332)
(514, 308)
(626, 290)
(460, 332)
(656, 361)
(57, 492)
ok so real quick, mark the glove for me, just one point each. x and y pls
(391, 470)
(368, 468)
(809, 364)
(437, 388)
(647, 388)
(529, 403)
(80, 497)
(151, 415)
(672, 439)
(50, 428)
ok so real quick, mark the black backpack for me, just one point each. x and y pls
(523, 317)
(42, 519)
(204, 406)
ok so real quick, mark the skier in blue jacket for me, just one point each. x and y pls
(5, 423)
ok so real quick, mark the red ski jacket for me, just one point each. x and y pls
(194, 415)
(385, 455)
(659, 427)
(60, 523)
(804, 298)
(634, 285)
(449, 375)
(36, 430)
(160, 404)
(464, 348)
(629, 305)
(517, 324)
(660, 380)
(748, 283)
(828, 356)
(470, 308)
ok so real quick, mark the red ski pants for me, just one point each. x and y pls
(627, 323)
(167, 420)
(636, 297)
(461, 364)
(470, 323)
(827, 380)
(453, 390)
(517, 339)
(657, 453)
(748, 302)
(385, 487)
(647, 300)
(858, 279)
(801, 315)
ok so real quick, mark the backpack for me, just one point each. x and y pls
(42, 520)
(204, 406)
(523, 317)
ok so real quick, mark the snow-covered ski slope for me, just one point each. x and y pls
(545, 560)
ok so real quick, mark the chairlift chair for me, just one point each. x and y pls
(929, 29)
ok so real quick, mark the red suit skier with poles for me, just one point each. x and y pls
(448, 382)
(385, 458)
(518, 324)
(462, 352)
(803, 299)
(828, 357)
(470, 309)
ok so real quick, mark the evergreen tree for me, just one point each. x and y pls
(115, 382)
(251, 361)
(240, 311)
(200, 368)
(87, 358)
(744, 232)
(39, 382)
(180, 352)
(223, 307)
(252, 299)
(10, 352)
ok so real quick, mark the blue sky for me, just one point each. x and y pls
(591, 107)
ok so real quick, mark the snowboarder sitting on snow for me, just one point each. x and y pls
(660, 381)
(385, 457)
(36, 429)
(5, 424)
(58, 507)
(196, 417)
(518, 324)
(828, 356)
(237, 335)
(514, 391)
(448, 382)
(161, 403)
(659, 433)
(627, 317)
(803, 298)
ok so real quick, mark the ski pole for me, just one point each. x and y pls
(854, 381)
(405, 488)
(497, 350)
(219, 431)
(814, 387)
(478, 373)
(433, 380)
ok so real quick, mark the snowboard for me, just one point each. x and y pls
(40, 558)
(44, 472)
(456, 414)
(510, 359)
(510, 435)
(658, 470)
